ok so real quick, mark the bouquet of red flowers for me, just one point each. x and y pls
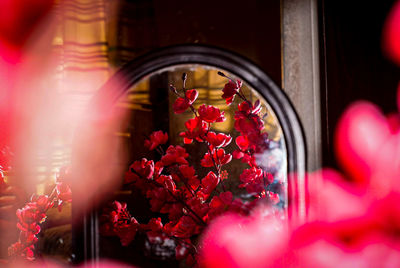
(173, 187)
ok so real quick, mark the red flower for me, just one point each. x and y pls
(127, 232)
(252, 177)
(181, 104)
(249, 126)
(156, 138)
(187, 171)
(208, 184)
(140, 169)
(218, 140)
(175, 155)
(198, 206)
(274, 197)
(219, 204)
(24, 251)
(167, 182)
(154, 225)
(64, 194)
(175, 211)
(247, 120)
(30, 214)
(196, 128)
(219, 157)
(189, 174)
(242, 142)
(237, 154)
(207, 161)
(185, 228)
(247, 108)
(116, 220)
(230, 89)
(158, 196)
(41, 202)
(211, 114)
(191, 95)
(224, 198)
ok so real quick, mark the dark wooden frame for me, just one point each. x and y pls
(138, 68)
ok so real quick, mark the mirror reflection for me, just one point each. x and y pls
(196, 142)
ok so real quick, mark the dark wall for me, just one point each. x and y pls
(250, 28)
(353, 66)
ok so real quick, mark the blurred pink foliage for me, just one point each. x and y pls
(391, 34)
(357, 213)
(18, 19)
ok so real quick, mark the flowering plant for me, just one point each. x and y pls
(173, 187)
(33, 214)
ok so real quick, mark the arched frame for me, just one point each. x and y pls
(293, 134)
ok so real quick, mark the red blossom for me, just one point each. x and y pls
(220, 204)
(167, 182)
(181, 104)
(211, 114)
(247, 108)
(230, 89)
(252, 179)
(242, 142)
(140, 169)
(207, 161)
(116, 220)
(274, 197)
(175, 155)
(23, 251)
(208, 184)
(30, 214)
(247, 121)
(191, 95)
(154, 230)
(198, 206)
(175, 211)
(185, 228)
(189, 174)
(41, 202)
(219, 158)
(237, 154)
(249, 126)
(156, 138)
(158, 197)
(64, 194)
(218, 140)
(173, 188)
(154, 225)
(187, 171)
(196, 128)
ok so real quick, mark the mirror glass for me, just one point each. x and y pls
(248, 161)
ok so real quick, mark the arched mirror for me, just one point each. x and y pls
(204, 132)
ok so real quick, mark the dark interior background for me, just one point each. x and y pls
(250, 28)
(353, 65)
